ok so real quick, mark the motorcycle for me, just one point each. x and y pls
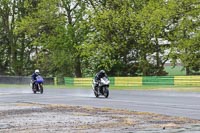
(38, 85)
(102, 88)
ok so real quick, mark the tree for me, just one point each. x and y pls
(44, 27)
(123, 39)
(185, 32)
(153, 20)
(79, 37)
(76, 31)
(112, 41)
(14, 54)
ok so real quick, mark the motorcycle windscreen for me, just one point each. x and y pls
(39, 79)
(105, 80)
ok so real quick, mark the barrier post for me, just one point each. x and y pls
(55, 81)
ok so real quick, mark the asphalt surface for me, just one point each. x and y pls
(183, 104)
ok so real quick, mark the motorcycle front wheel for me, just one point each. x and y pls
(34, 91)
(106, 92)
(41, 88)
(96, 94)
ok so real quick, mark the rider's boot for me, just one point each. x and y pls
(33, 85)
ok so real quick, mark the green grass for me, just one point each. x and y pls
(144, 87)
(160, 87)
(13, 85)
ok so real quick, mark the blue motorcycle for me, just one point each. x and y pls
(38, 85)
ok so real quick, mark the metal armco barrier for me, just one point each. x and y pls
(21, 80)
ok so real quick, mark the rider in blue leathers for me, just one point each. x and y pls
(33, 77)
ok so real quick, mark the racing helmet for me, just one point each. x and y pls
(102, 72)
(37, 71)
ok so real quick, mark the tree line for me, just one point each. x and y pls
(77, 38)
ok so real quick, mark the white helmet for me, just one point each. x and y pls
(37, 71)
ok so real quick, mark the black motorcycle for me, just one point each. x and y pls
(102, 88)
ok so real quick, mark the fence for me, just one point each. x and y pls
(140, 81)
(21, 80)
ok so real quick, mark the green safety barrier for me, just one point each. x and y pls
(187, 80)
(68, 81)
(82, 81)
(112, 80)
(139, 81)
(158, 80)
(128, 81)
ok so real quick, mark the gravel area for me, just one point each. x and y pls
(45, 118)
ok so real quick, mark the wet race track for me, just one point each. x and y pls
(72, 110)
(184, 104)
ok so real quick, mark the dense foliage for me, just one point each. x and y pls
(79, 37)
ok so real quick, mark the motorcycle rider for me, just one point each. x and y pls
(33, 77)
(98, 77)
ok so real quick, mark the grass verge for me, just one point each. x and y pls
(144, 87)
